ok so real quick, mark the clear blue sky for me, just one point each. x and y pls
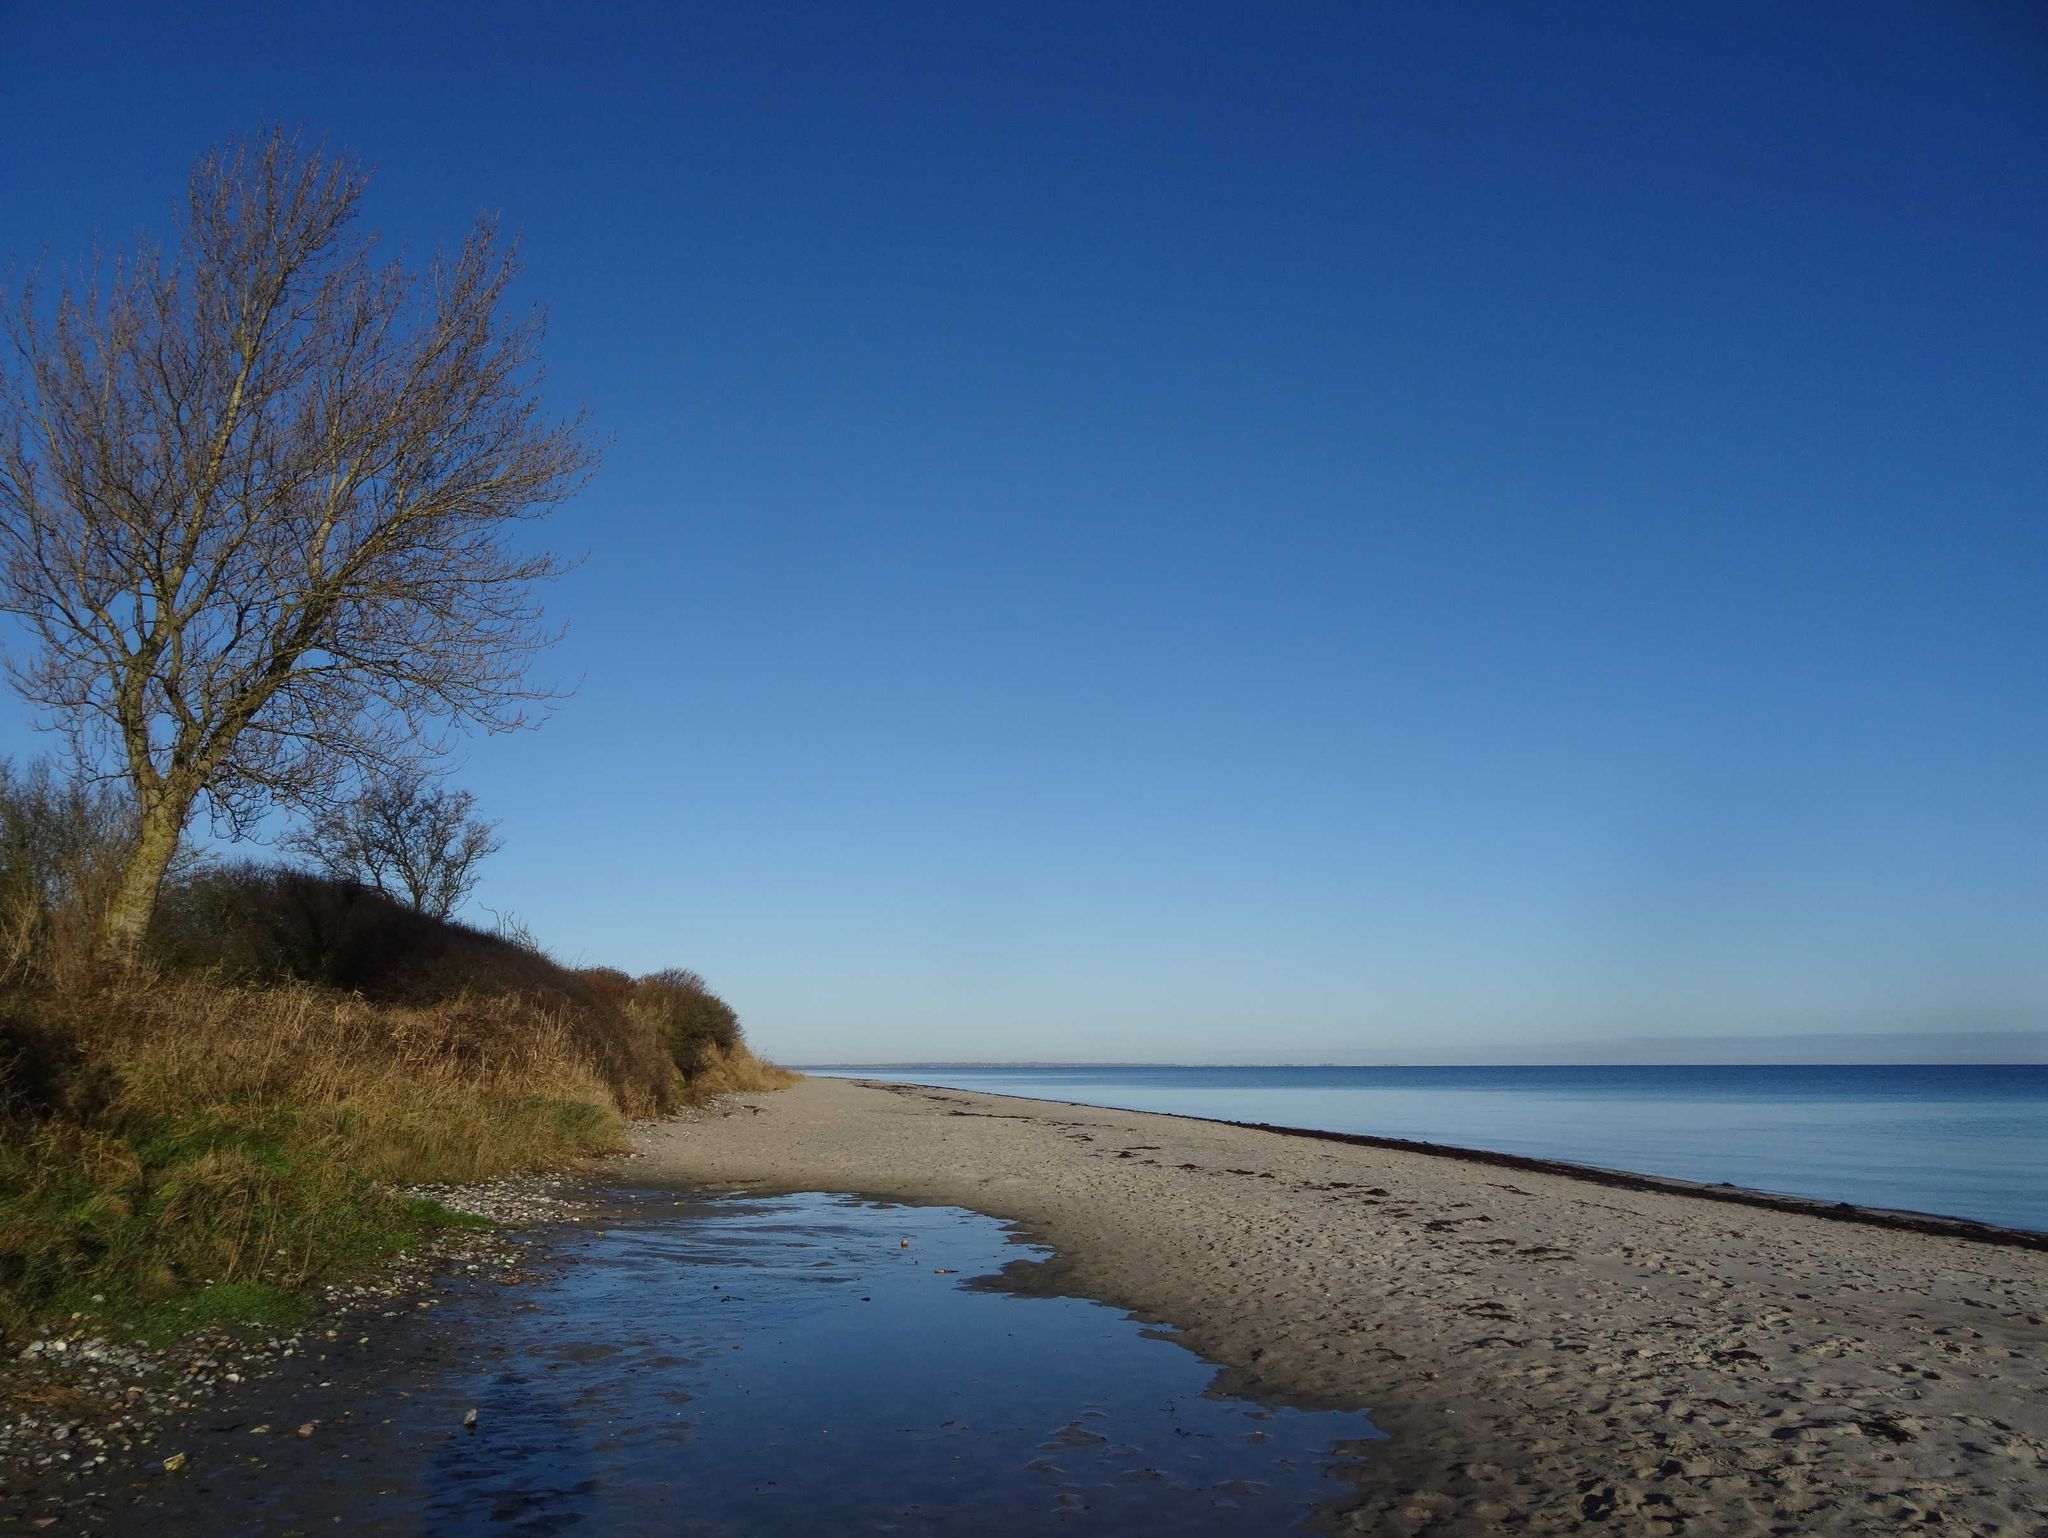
(1232, 532)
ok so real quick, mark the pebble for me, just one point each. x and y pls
(70, 1398)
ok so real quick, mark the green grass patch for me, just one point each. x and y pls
(177, 1150)
(172, 1224)
(223, 1303)
(432, 1214)
(190, 1139)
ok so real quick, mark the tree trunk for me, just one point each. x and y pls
(156, 844)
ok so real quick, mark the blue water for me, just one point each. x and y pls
(743, 1366)
(1964, 1141)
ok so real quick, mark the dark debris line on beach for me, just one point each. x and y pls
(1843, 1212)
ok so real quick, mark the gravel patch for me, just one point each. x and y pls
(74, 1401)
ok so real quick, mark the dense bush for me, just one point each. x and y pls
(609, 981)
(44, 1073)
(260, 924)
(61, 846)
(695, 1024)
(168, 1131)
(194, 1140)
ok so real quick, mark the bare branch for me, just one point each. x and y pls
(406, 838)
(260, 499)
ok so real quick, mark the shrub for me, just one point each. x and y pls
(610, 982)
(693, 1021)
(62, 843)
(734, 1071)
(404, 835)
(196, 1141)
(252, 1132)
(43, 1073)
(263, 925)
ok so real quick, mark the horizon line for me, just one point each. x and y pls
(1136, 1063)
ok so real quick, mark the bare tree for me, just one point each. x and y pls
(406, 837)
(61, 841)
(259, 500)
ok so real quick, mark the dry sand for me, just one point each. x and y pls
(1547, 1354)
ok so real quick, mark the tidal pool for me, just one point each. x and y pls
(770, 1365)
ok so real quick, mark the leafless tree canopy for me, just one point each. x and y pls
(406, 837)
(258, 500)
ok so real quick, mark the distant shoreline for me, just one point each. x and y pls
(1933, 1146)
(1404, 1067)
(1904, 1219)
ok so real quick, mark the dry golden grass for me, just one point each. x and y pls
(194, 1142)
(459, 1090)
(218, 1147)
(733, 1071)
(191, 1149)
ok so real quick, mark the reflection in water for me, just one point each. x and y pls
(789, 1365)
(742, 1365)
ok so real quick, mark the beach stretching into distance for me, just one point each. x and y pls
(1456, 588)
(1546, 1353)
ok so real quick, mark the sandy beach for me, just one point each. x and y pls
(1548, 1354)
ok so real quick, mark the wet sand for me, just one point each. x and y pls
(1547, 1353)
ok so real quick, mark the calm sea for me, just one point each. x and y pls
(1965, 1141)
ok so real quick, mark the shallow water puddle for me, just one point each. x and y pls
(790, 1365)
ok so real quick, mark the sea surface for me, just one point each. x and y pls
(1962, 1141)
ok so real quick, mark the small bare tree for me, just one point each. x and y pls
(61, 841)
(405, 836)
(258, 500)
